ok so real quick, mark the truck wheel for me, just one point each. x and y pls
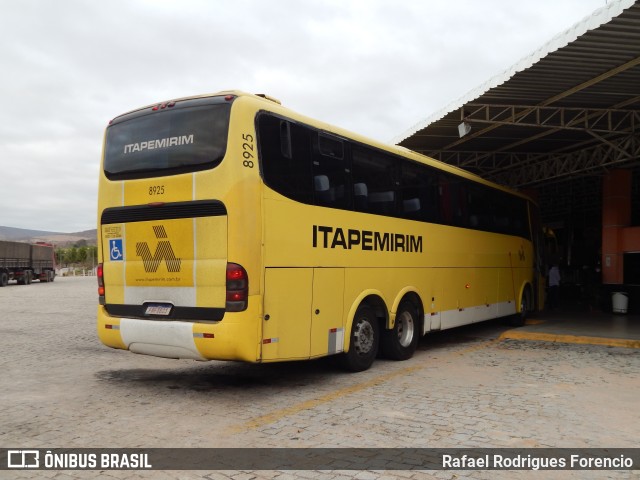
(401, 341)
(27, 278)
(363, 344)
(4, 279)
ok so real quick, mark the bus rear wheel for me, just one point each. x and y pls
(400, 342)
(363, 344)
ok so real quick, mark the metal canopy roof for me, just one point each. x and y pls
(571, 110)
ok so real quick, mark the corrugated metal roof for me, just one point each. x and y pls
(567, 60)
(576, 108)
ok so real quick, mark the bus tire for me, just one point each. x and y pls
(400, 342)
(519, 319)
(364, 340)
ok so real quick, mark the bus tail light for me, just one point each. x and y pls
(100, 275)
(237, 288)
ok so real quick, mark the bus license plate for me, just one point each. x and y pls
(158, 309)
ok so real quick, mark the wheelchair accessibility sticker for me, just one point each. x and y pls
(115, 250)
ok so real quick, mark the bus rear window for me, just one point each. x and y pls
(167, 142)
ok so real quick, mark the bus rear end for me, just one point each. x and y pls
(168, 283)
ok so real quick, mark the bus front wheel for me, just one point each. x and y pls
(526, 306)
(400, 342)
(364, 339)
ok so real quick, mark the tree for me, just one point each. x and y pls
(60, 256)
(72, 255)
(81, 255)
(85, 256)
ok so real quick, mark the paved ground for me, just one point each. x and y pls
(464, 388)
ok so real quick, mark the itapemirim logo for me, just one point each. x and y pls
(164, 251)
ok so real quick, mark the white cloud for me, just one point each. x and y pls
(375, 67)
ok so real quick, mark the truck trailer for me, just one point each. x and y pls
(24, 263)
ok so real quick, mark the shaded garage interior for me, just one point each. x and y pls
(563, 125)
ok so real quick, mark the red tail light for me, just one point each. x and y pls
(237, 288)
(100, 275)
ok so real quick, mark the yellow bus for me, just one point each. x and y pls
(232, 228)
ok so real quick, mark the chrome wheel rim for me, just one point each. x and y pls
(405, 328)
(364, 337)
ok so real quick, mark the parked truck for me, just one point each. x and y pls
(24, 262)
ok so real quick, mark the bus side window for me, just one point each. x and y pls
(285, 157)
(322, 187)
(285, 139)
(454, 201)
(445, 203)
(330, 146)
(482, 202)
(360, 197)
(376, 172)
(329, 171)
(419, 193)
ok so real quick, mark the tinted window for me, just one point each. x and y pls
(518, 214)
(419, 198)
(167, 142)
(330, 146)
(285, 155)
(374, 181)
(329, 171)
(452, 196)
(483, 203)
(314, 167)
(496, 211)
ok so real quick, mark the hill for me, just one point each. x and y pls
(59, 239)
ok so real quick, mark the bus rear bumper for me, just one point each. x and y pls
(230, 339)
